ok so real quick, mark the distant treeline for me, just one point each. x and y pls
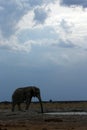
(64, 101)
(50, 101)
(5, 102)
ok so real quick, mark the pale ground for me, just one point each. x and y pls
(34, 120)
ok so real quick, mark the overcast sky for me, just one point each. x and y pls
(44, 43)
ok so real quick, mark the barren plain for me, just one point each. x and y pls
(33, 119)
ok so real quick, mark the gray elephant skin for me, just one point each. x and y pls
(25, 94)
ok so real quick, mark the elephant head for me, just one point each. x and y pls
(25, 94)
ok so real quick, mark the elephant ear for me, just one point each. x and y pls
(35, 92)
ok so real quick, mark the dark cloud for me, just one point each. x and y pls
(35, 2)
(9, 16)
(66, 44)
(12, 11)
(40, 15)
(82, 3)
(67, 27)
(40, 2)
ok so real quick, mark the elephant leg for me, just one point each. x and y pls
(41, 104)
(28, 103)
(19, 106)
(13, 106)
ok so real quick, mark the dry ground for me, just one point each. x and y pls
(34, 120)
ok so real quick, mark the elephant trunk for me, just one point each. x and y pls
(40, 104)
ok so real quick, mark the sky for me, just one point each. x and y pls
(43, 43)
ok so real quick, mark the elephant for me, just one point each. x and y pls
(25, 94)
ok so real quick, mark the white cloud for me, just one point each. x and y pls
(70, 23)
(26, 21)
(13, 45)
